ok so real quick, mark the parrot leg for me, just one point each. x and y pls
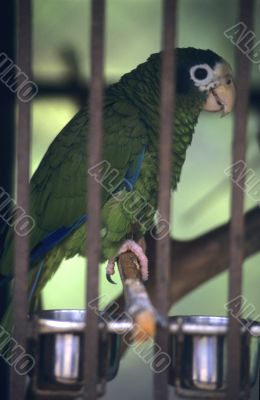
(138, 250)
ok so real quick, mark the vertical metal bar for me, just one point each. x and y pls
(167, 104)
(237, 204)
(7, 127)
(94, 151)
(23, 139)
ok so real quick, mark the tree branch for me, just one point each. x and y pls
(196, 261)
(136, 301)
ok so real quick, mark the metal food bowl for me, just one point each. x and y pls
(198, 349)
(59, 351)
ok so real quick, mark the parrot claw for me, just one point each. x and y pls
(110, 270)
(110, 280)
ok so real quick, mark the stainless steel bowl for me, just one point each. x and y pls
(59, 350)
(198, 348)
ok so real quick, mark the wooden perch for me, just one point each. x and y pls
(196, 261)
(137, 303)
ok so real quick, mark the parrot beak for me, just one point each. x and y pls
(221, 91)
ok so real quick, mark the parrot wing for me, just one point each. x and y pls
(58, 187)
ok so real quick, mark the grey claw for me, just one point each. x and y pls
(110, 280)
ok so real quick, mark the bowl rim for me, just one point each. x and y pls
(58, 319)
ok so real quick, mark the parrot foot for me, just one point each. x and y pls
(138, 250)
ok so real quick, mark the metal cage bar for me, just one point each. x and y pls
(237, 205)
(23, 140)
(163, 250)
(7, 138)
(94, 147)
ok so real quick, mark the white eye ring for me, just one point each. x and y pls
(204, 81)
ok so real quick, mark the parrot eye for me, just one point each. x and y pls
(201, 74)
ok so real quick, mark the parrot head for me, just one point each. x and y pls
(207, 74)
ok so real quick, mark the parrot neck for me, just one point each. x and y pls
(141, 89)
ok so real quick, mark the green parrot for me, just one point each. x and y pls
(129, 167)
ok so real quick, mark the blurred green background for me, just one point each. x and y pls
(132, 34)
